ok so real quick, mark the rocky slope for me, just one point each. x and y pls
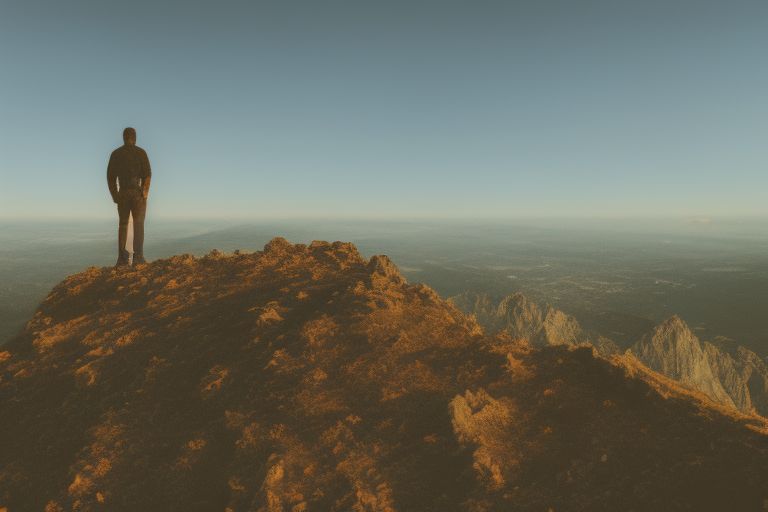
(733, 376)
(304, 378)
(743, 374)
(673, 350)
(524, 319)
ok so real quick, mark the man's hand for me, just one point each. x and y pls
(145, 186)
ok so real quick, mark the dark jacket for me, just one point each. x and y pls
(129, 167)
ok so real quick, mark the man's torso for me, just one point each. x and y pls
(128, 163)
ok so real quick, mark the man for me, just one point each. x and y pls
(128, 178)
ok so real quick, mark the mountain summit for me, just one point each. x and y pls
(672, 349)
(737, 378)
(307, 377)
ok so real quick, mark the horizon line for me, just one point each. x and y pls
(691, 218)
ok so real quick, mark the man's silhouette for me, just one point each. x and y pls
(128, 177)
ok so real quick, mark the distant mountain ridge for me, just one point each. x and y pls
(673, 350)
(523, 318)
(737, 378)
(305, 377)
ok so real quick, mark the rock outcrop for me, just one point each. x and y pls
(673, 350)
(308, 378)
(523, 318)
(738, 379)
(743, 375)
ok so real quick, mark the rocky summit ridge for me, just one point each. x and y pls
(309, 378)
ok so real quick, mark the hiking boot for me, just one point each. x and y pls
(123, 259)
(138, 259)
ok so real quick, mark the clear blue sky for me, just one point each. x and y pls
(388, 108)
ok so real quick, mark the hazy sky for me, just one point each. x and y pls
(388, 108)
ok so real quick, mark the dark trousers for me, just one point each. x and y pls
(131, 202)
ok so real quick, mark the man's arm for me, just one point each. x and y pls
(112, 178)
(147, 174)
(145, 186)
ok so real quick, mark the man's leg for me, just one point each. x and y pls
(138, 212)
(123, 211)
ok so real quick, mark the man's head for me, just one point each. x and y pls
(129, 136)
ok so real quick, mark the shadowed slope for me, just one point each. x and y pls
(309, 378)
(566, 430)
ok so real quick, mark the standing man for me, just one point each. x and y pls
(128, 177)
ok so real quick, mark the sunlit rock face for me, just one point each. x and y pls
(673, 350)
(307, 377)
(743, 375)
(737, 377)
